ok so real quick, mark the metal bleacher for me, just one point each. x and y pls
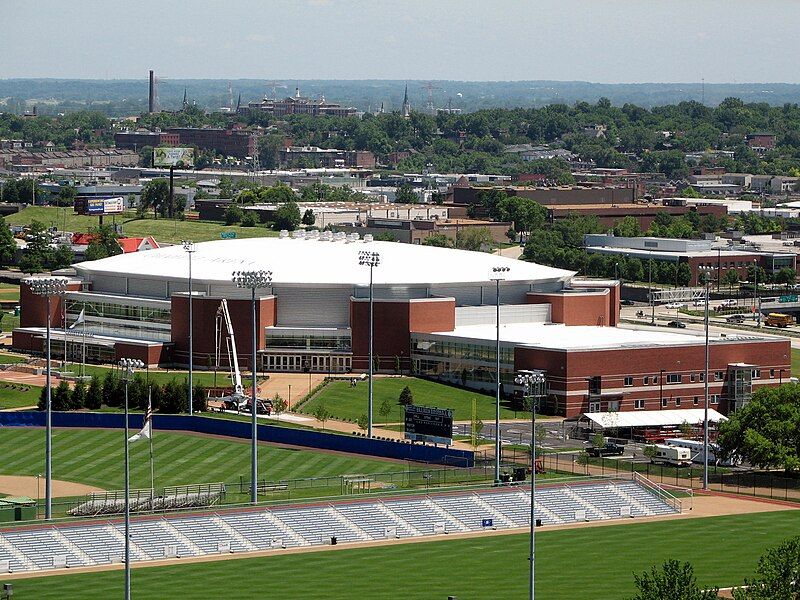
(99, 542)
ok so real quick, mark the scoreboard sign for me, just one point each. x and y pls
(99, 206)
(425, 424)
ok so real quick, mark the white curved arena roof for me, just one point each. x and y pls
(308, 261)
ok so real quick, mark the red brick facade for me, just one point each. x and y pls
(585, 307)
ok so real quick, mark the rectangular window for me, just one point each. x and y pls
(719, 375)
(646, 380)
(771, 374)
(674, 377)
(756, 373)
(594, 407)
(691, 378)
(696, 401)
(702, 377)
(677, 401)
(715, 399)
(628, 381)
(655, 379)
(638, 404)
(595, 386)
(663, 402)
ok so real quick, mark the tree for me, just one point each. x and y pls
(628, 227)
(475, 239)
(7, 245)
(60, 397)
(309, 218)
(103, 244)
(766, 431)
(385, 409)
(321, 413)
(94, 395)
(363, 422)
(112, 389)
(249, 219)
(526, 214)
(38, 255)
(287, 216)
(77, 399)
(730, 278)
(199, 398)
(155, 196)
(671, 581)
(405, 194)
(279, 405)
(66, 195)
(233, 214)
(406, 397)
(786, 276)
(42, 403)
(777, 575)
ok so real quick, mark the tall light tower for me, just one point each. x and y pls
(706, 271)
(48, 287)
(497, 275)
(128, 365)
(253, 280)
(189, 248)
(371, 260)
(533, 384)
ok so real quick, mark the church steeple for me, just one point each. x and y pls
(185, 99)
(406, 104)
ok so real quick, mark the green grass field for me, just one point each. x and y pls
(795, 362)
(583, 563)
(164, 230)
(346, 402)
(17, 395)
(94, 457)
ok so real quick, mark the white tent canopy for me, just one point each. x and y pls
(652, 418)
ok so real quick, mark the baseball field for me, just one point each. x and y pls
(594, 563)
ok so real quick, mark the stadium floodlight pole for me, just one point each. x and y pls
(533, 385)
(497, 275)
(189, 248)
(371, 260)
(253, 280)
(650, 291)
(48, 287)
(706, 271)
(128, 365)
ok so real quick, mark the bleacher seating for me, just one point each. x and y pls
(154, 538)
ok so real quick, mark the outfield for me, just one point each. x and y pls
(345, 402)
(163, 230)
(94, 457)
(594, 563)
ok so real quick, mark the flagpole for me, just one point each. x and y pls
(152, 468)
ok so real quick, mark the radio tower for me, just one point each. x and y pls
(430, 86)
(274, 85)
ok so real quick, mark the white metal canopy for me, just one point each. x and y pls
(653, 418)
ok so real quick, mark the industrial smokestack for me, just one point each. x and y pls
(151, 104)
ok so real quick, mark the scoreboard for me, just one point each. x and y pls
(425, 424)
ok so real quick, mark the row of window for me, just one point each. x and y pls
(117, 311)
(464, 351)
(628, 380)
(639, 404)
(309, 342)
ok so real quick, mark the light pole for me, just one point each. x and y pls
(253, 280)
(497, 275)
(532, 381)
(188, 246)
(650, 291)
(128, 365)
(47, 287)
(756, 298)
(707, 281)
(371, 260)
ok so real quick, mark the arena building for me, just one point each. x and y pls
(434, 315)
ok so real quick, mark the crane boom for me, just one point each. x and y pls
(238, 390)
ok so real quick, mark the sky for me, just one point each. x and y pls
(622, 41)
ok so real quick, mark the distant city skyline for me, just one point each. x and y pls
(603, 41)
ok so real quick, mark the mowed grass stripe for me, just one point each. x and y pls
(95, 457)
(595, 563)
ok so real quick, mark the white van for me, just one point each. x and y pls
(671, 455)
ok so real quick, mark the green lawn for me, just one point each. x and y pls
(795, 362)
(585, 563)
(164, 230)
(6, 358)
(157, 376)
(17, 395)
(94, 457)
(8, 321)
(9, 291)
(346, 402)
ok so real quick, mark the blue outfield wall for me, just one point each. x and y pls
(239, 429)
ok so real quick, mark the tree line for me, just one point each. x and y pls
(170, 397)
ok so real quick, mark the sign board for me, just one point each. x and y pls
(100, 206)
(425, 424)
(788, 298)
(487, 523)
(173, 157)
(228, 235)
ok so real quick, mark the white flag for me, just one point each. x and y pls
(147, 428)
(81, 318)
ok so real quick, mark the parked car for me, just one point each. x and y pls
(627, 302)
(674, 305)
(610, 449)
(677, 324)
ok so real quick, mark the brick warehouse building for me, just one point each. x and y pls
(434, 315)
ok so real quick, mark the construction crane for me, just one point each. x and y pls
(224, 320)
(430, 86)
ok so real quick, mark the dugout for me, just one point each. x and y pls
(17, 508)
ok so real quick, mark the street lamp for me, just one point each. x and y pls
(497, 274)
(128, 365)
(253, 280)
(371, 260)
(189, 248)
(533, 384)
(706, 271)
(47, 287)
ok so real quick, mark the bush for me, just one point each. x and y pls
(94, 395)
(233, 214)
(60, 398)
(199, 398)
(249, 219)
(112, 390)
(406, 397)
